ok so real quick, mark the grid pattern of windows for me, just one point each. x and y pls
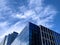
(47, 36)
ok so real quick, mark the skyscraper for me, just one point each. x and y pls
(37, 35)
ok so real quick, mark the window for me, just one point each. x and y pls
(52, 43)
(44, 41)
(47, 36)
(42, 34)
(48, 42)
(43, 28)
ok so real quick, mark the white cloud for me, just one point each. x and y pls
(22, 8)
(1, 38)
(49, 10)
(3, 24)
(34, 3)
(24, 15)
(17, 27)
(41, 15)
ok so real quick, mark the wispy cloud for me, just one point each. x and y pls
(14, 15)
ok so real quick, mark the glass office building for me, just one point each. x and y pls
(29, 36)
(35, 35)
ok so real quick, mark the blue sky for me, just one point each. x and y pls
(56, 22)
(15, 14)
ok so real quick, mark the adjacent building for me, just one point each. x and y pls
(9, 39)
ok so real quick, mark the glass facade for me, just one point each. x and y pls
(23, 37)
(29, 36)
(33, 35)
